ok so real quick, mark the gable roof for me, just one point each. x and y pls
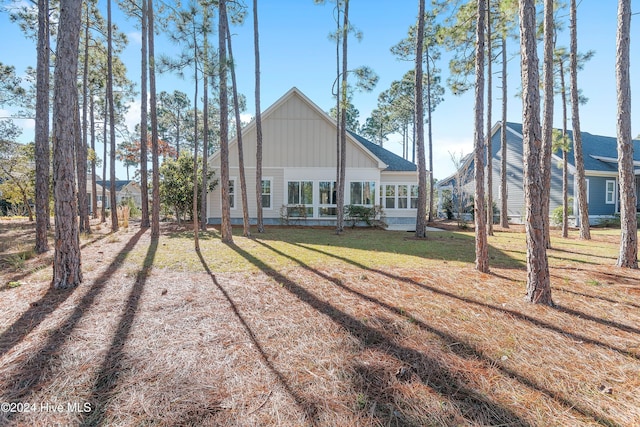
(120, 184)
(386, 160)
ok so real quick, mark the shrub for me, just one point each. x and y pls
(372, 216)
(556, 214)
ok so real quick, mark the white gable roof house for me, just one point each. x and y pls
(299, 171)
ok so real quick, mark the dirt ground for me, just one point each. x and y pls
(270, 333)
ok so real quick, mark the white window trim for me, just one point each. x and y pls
(270, 179)
(612, 192)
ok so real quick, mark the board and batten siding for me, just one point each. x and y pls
(299, 143)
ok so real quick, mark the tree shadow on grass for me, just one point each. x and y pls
(48, 303)
(307, 407)
(457, 345)
(29, 376)
(516, 314)
(440, 245)
(476, 408)
(107, 378)
(598, 297)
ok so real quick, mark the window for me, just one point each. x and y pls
(232, 193)
(402, 196)
(610, 192)
(390, 197)
(414, 197)
(363, 193)
(399, 196)
(327, 198)
(266, 193)
(300, 193)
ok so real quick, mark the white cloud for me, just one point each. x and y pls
(135, 36)
(132, 118)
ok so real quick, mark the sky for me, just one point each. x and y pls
(296, 51)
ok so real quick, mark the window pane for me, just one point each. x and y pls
(390, 191)
(307, 193)
(266, 200)
(390, 203)
(293, 192)
(369, 193)
(327, 193)
(356, 193)
(327, 211)
(266, 187)
(414, 197)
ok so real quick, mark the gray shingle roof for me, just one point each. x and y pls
(594, 146)
(394, 162)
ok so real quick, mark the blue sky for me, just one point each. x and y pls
(296, 51)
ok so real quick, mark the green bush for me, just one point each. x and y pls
(372, 216)
(556, 214)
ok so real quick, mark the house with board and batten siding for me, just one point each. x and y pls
(601, 172)
(299, 170)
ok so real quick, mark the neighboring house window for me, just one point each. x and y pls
(363, 193)
(266, 193)
(610, 192)
(232, 193)
(327, 198)
(300, 193)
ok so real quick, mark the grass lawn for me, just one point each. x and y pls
(298, 326)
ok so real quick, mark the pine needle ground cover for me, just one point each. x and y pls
(302, 327)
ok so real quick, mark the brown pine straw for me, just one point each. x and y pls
(330, 342)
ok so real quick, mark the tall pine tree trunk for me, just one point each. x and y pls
(67, 269)
(194, 199)
(342, 165)
(144, 138)
(246, 228)
(488, 136)
(81, 148)
(628, 256)
(112, 123)
(155, 208)
(421, 217)
(256, 46)
(583, 207)
(226, 230)
(482, 250)
(565, 162)
(547, 122)
(429, 139)
(538, 284)
(205, 135)
(94, 186)
(42, 129)
(504, 214)
(103, 213)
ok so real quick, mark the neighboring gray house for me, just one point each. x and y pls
(299, 170)
(601, 171)
(124, 190)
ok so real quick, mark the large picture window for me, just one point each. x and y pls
(327, 198)
(300, 193)
(363, 193)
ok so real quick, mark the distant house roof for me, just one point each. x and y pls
(394, 162)
(120, 184)
(600, 152)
